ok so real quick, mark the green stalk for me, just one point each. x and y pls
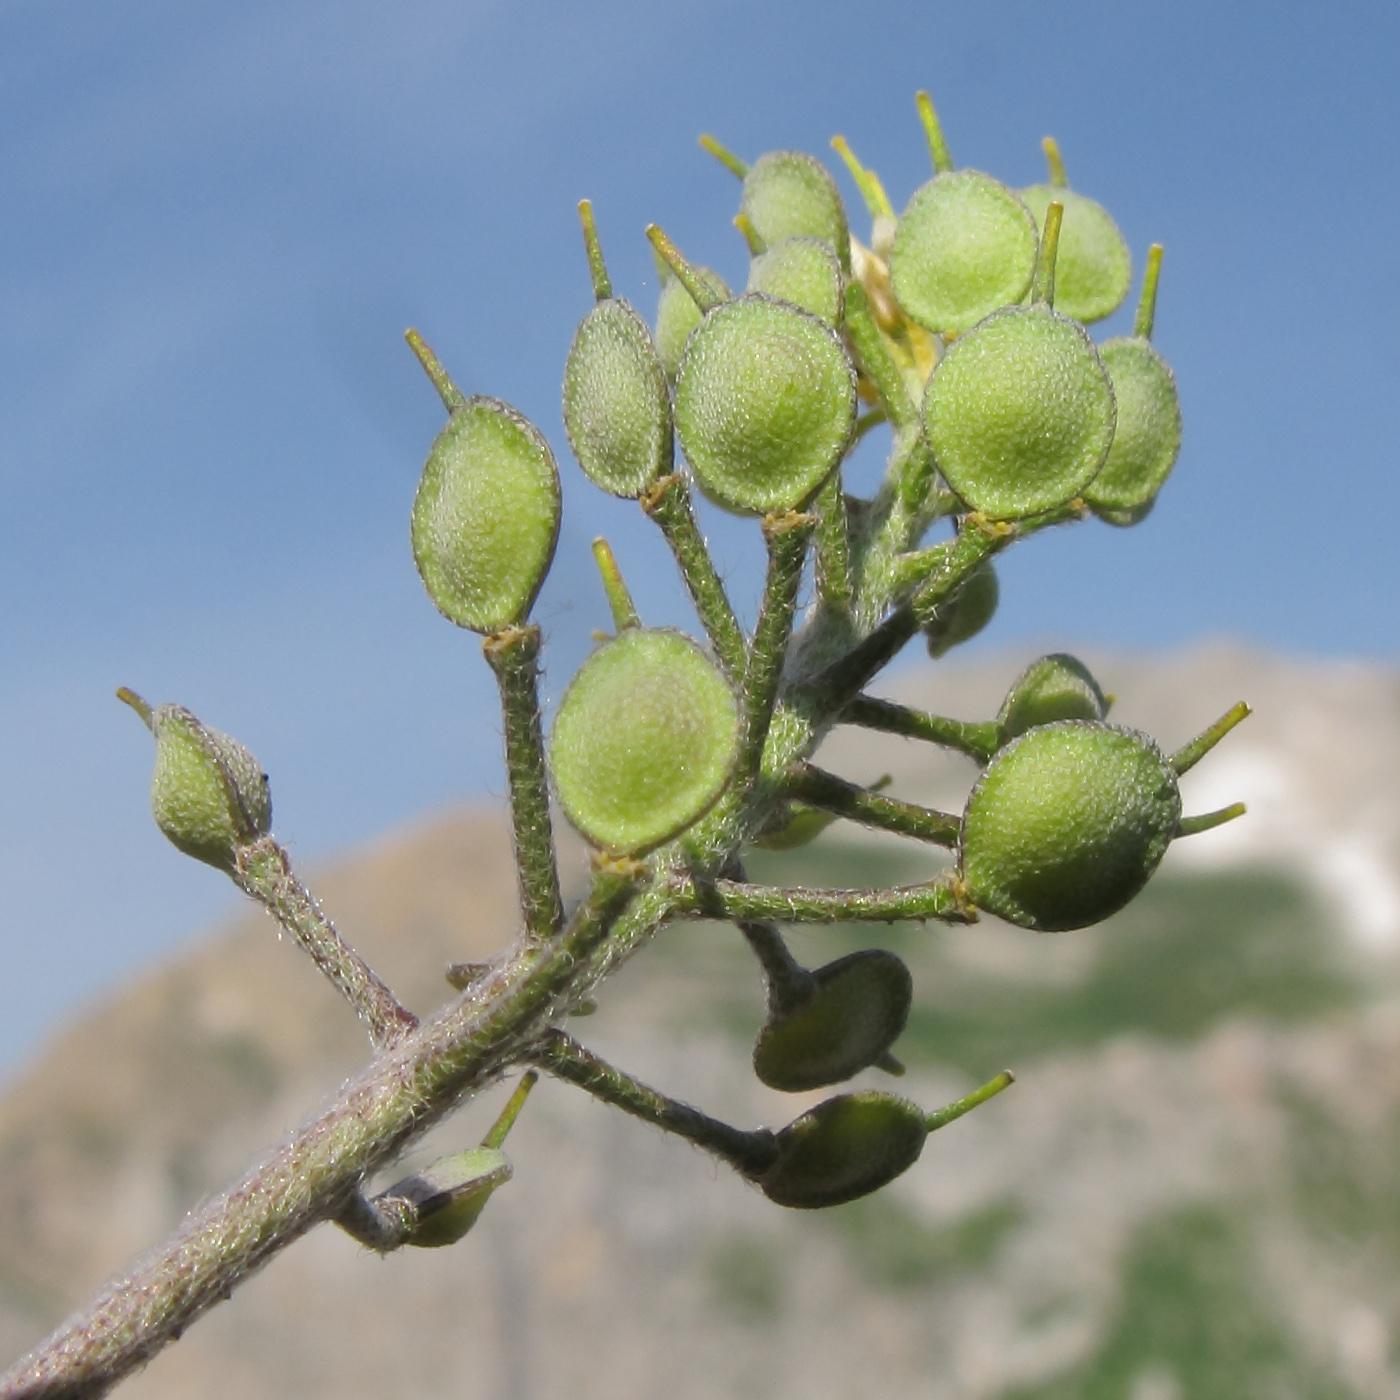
(977, 740)
(835, 589)
(818, 788)
(734, 899)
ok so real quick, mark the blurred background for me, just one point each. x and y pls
(217, 224)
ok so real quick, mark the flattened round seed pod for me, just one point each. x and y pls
(644, 740)
(803, 271)
(858, 1012)
(1148, 436)
(486, 516)
(788, 194)
(617, 406)
(677, 315)
(1093, 267)
(845, 1148)
(765, 404)
(964, 615)
(1019, 412)
(965, 247)
(1066, 824)
(1055, 687)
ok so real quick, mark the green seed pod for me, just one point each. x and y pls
(486, 516)
(964, 248)
(1067, 824)
(790, 195)
(803, 271)
(964, 615)
(677, 315)
(844, 1148)
(449, 1195)
(1055, 687)
(617, 405)
(209, 795)
(858, 1012)
(644, 741)
(765, 404)
(1019, 412)
(1148, 437)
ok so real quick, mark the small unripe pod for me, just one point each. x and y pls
(1148, 436)
(486, 516)
(803, 271)
(1066, 824)
(449, 1195)
(617, 406)
(1094, 269)
(1055, 687)
(677, 315)
(845, 1148)
(644, 741)
(788, 194)
(858, 1011)
(964, 615)
(765, 404)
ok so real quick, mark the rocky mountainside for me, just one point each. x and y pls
(1191, 1192)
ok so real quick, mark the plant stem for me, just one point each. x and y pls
(818, 788)
(977, 740)
(835, 591)
(733, 899)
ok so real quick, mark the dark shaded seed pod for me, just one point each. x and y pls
(1066, 824)
(803, 271)
(448, 1196)
(845, 1148)
(1019, 412)
(788, 194)
(617, 406)
(965, 614)
(644, 741)
(209, 795)
(964, 248)
(1055, 687)
(486, 516)
(858, 1012)
(765, 404)
(677, 315)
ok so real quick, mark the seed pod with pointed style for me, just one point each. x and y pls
(677, 315)
(1052, 688)
(788, 194)
(964, 615)
(617, 406)
(845, 1148)
(1066, 824)
(644, 741)
(858, 1012)
(486, 516)
(209, 795)
(449, 1195)
(765, 404)
(803, 271)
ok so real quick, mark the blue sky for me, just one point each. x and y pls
(218, 220)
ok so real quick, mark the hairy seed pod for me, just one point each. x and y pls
(617, 406)
(788, 194)
(448, 1195)
(1148, 436)
(765, 404)
(677, 315)
(644, 741)
(1019, 412)
(858, 1012)
(1094, 268)
(965, 247)
(845, 1148)
(1066, 824)
(965, 614)
(803, 271)
(486, 516)
(1055, 687)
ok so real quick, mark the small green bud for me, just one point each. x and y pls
(1055, 687)
(765, 404)
(858, 1011)
(844, 1148)
(1019, 412)
(209, 795)
(965, 614)
(788, 194)
(617, 406)
(1066, 824)
(677, 315)
(644, 741)
(486, 516)
(803, 271)
(964, 248)
(448, 1196)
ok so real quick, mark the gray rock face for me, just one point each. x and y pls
(1191, 1191)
